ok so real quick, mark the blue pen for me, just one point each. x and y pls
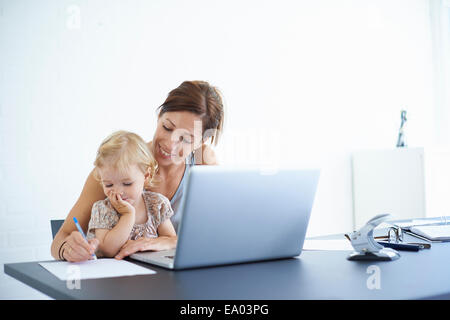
(82, 233)
(401, 246)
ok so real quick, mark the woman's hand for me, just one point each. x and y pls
(146, 244)
(76, 248)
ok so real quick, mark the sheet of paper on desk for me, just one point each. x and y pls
(333, 245)
(93, 269)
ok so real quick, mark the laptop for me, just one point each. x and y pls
(234, 215)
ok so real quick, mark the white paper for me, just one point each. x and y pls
(333, 245)
(93, 269)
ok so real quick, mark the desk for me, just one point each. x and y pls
(312, 275)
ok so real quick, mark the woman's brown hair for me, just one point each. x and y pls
(200, 98)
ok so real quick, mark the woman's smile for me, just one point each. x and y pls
(164, 154)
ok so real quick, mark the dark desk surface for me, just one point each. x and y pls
(312, 275)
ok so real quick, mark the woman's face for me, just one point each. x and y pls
(177, 134)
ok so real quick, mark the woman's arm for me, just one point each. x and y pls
(166, 240)
(146, 244)
(68, 234)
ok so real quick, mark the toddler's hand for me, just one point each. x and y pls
(121, 206)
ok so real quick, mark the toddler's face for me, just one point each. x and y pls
(129, 184)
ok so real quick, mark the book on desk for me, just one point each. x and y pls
(433, 233)
(436, 229)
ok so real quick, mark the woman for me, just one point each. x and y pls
(191, 115)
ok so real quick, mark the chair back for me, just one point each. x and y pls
(56, 225)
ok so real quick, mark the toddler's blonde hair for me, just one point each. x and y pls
(122, 149)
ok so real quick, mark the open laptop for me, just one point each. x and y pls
(239, 215)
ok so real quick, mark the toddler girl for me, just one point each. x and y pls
(124, 165)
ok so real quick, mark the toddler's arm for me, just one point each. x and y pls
(166, 229)
(112, 240)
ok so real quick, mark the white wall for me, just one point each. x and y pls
(310, 80)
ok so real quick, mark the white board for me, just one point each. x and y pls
(388, 181)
